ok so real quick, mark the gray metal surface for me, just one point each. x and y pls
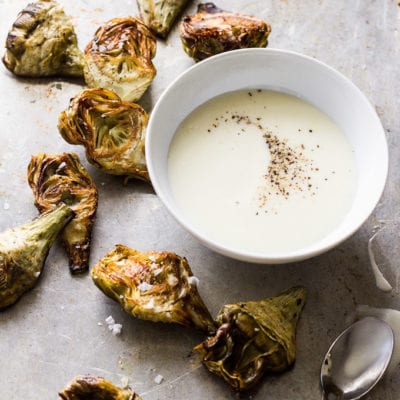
(53, 334)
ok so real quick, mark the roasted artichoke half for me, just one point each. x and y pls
(23, 252)
(61, 178)
(90, 387)
(155, 286)
(112, 131)
(42, 42)
(119, 57)
(211, 31)
(159, 15)
(253, 338)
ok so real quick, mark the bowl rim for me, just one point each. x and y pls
(310, 251)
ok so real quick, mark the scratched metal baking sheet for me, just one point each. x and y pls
(57, 330)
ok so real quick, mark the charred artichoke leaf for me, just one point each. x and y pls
(119, 57)
(90, 387)
(42, 42)
(112, 131)
(211, 31)
(253, 338)
(61, 178)
(23, 252)
(159, 15)
(155, 286)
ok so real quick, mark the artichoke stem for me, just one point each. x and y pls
(45, 229)
(23, 251)
(78, 257)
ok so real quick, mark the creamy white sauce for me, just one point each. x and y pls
(261, 171)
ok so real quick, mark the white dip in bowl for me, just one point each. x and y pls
(262, 171)
(265, 155)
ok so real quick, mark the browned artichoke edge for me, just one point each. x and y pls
(254, 338)
(91, 387)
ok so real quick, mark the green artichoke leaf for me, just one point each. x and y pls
(23, 252)
(61, 178)
(119, 58)
(159, 16)
(111, 130)
(253, 338)
(42, 42)
(211, 31)
(155, 286)
(90, 387)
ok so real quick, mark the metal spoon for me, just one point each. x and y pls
(357, 360)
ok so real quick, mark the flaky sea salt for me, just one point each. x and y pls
(6, 206)
(158, 379)
(62, 165)
(172, 280)
(149, 304)
(124, 382)
(193, 281)
(115, 329)
(144, 286)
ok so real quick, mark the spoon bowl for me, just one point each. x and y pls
(357, 360)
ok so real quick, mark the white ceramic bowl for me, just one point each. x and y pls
(287, 72)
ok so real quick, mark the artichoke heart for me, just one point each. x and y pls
(42, 42)
(23, 252)
(85, 387)
(211, 31)
(253, 338)
(119, 57)
(112, 131)
(61, 178)
(159, 15)
(155, 286)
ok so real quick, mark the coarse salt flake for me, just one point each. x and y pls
(149, 304)
(158, 379)
(193, 281)
(110, 320)
(116, 329)
(6, 206)
(172, 280)
(124, 382)
(144, 286)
